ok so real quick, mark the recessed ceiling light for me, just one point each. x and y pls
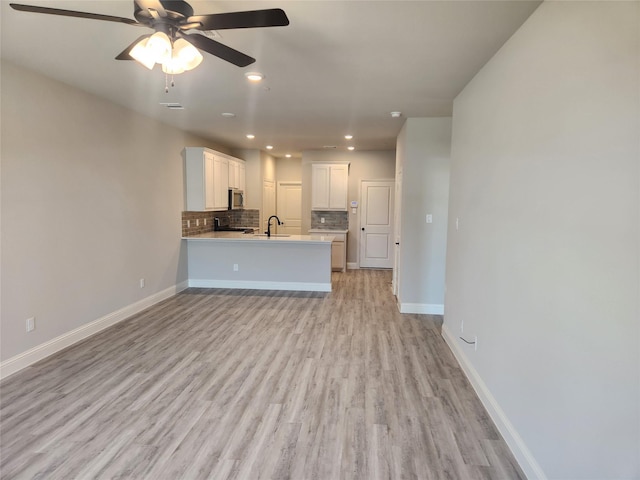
(250, 136)
(228, 114)
(254, 76)
(288, 155)
(396, 114)
(348, 137)
(269, 147)
(351, 148)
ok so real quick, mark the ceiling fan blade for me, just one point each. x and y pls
(152, 6)
(219, 50)
(274, 17)
(72, 13)
(124, 55)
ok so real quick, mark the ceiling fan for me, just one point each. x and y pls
(171, 19)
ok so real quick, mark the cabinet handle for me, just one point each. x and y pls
(363, 229)
(397, 243)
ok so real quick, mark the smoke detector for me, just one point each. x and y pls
(396, 114)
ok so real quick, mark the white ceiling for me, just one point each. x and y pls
(340, 66)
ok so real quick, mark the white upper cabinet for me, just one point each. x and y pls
(329, 184)
(220, 182)
(241, 181)
(206, 179)
(236, 173)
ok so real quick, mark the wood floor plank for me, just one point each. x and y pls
(242, 384)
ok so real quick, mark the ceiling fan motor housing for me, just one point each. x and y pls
(176, 11)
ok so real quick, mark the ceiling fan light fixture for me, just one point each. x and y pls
(140, 53)
(159, 47)
(173, 66)
(188, 56)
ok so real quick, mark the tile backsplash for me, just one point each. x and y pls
(195, 223)
(332, 220)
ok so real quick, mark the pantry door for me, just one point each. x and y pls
(268, 204)
(376, 224)
(289, 201)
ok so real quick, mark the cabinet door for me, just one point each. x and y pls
(241, 176)
(338, 186)
(337, 255)
(221, 183)
(209, 186)
(233, 174)
(320, 177)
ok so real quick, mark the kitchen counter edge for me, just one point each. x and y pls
(243, 237)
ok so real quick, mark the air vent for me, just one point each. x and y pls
(172, 106)
(329, 146)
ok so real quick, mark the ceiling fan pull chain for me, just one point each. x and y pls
(166, 83)
(172, 82)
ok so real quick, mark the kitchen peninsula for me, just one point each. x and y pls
(251, 261)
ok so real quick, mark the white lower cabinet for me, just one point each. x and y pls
(338, 248)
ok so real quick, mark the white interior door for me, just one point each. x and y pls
(376, 224)
(289, 207)
(268, 203)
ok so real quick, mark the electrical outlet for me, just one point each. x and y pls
(235, 267)
(142, 283)
(197, 222)
(188, 223)
(31, 324)
(205, 222)
(429, 218)
(321, 219)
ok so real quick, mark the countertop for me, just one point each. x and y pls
(249, 238)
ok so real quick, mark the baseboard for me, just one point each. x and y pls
(424, 308)
(44, 350)
(353, 266)
(519, 449)
(253, 285)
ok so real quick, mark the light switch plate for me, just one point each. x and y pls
(429, 218)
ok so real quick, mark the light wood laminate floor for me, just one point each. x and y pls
(230, 384)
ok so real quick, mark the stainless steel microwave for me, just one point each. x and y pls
(236, 199)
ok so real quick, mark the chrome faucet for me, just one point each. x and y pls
(268, 232)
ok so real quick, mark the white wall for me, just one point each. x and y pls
(363, 165)
(289, 169)
(544, 268)
(91, 201)
(424, 148)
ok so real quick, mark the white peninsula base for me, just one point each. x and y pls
(231, 260)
